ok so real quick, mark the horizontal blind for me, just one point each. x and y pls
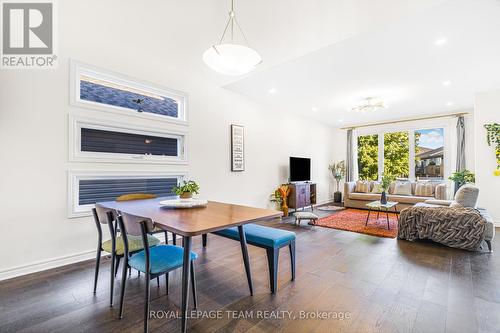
(98, 190)
(101, 141)
(109, 95)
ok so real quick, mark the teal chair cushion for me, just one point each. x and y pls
(260, 235)
(134, 244)
(163, 258)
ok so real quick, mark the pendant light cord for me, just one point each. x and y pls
(232, 20)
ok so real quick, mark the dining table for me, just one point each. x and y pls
(196, 221)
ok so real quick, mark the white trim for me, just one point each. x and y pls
(46, 264)
(76, 123)
(74, 176)
(79, 68)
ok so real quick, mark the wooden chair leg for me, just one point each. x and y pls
(204, 239)
(291, 246)
(97, 264)
(193, 286)
(146, 303)
(122, 292)
(272, 260)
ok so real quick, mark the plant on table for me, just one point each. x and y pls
(186, 189)
(385, 183)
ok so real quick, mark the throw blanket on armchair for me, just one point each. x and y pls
(458, 227)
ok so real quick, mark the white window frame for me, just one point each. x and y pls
(77, 69)
(74, 176)
(410, 128)
(76, 123)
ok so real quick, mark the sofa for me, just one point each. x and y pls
(353, 199)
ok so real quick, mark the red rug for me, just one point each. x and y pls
(354, 220)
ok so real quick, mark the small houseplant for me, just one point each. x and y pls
(385, 183)
(186, 189)
(462, 178)
(493, 139)
(338, 173)
(280, 197)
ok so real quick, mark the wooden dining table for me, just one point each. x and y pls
(192, 222)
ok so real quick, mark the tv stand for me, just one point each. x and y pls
(302, 195)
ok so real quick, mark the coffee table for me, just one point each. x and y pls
(377, 205)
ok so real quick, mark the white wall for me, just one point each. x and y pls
(487, 111)
(34, 110)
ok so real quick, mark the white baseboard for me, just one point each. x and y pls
(44, 265)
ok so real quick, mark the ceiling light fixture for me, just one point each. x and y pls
(231, 58)
(314, 108)
(370, 104)
(449, 103)
(446, 83)
(272, 91)
(440, 41)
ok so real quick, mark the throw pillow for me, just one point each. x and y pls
(377, 188)
(402, 188)
(362, 186)
(466, 196)
(425, 189)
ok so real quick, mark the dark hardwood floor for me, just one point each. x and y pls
(383, 285)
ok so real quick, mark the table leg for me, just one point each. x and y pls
(387, 217)
(185, 280)
(368, 217)
(246, 261)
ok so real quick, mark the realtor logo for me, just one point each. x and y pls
(28, 34)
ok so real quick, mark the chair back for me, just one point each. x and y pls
(136, 196)
(135, 225)
(104, 216)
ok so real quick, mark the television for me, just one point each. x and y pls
(300, 169)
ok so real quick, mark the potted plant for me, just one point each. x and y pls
(186, 189)
(280, 197)
(385, 183)
(462, 177)
(338, 173)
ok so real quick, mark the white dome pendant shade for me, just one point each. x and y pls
(231, 58)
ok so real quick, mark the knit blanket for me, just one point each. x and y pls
(457, 227)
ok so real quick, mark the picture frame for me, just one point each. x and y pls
(237, 148)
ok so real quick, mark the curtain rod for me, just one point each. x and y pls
(407, 119)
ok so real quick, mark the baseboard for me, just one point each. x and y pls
(44, 265)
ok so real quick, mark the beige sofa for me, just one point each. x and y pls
(353, 199)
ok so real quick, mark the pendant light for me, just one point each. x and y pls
(230, 58)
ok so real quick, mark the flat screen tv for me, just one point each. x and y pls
(300, 169)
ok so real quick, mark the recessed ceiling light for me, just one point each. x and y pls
(272, 91)
(341, 120)
(440, 41)
(449, 103)
(446, 83)
(314, 108)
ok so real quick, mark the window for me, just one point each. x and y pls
(405, 154)
(368, 157)
(89, 187)
(429, 153)
(397, 154)
(95, 140)
(104, 90)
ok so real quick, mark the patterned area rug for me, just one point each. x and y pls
(330, 208)
(354, 220)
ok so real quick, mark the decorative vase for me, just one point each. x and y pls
(337, 196)
(383, 198)
(186, 195)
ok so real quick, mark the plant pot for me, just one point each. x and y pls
(383, 198)
(337, 196)
(186, 195)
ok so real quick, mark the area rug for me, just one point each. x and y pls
(354, 220)
(330, 208)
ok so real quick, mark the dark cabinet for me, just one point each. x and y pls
(302, 195)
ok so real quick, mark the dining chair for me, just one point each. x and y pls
(152, 261)
(115, 245)
(143, 196)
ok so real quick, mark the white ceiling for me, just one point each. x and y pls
(372, 51)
